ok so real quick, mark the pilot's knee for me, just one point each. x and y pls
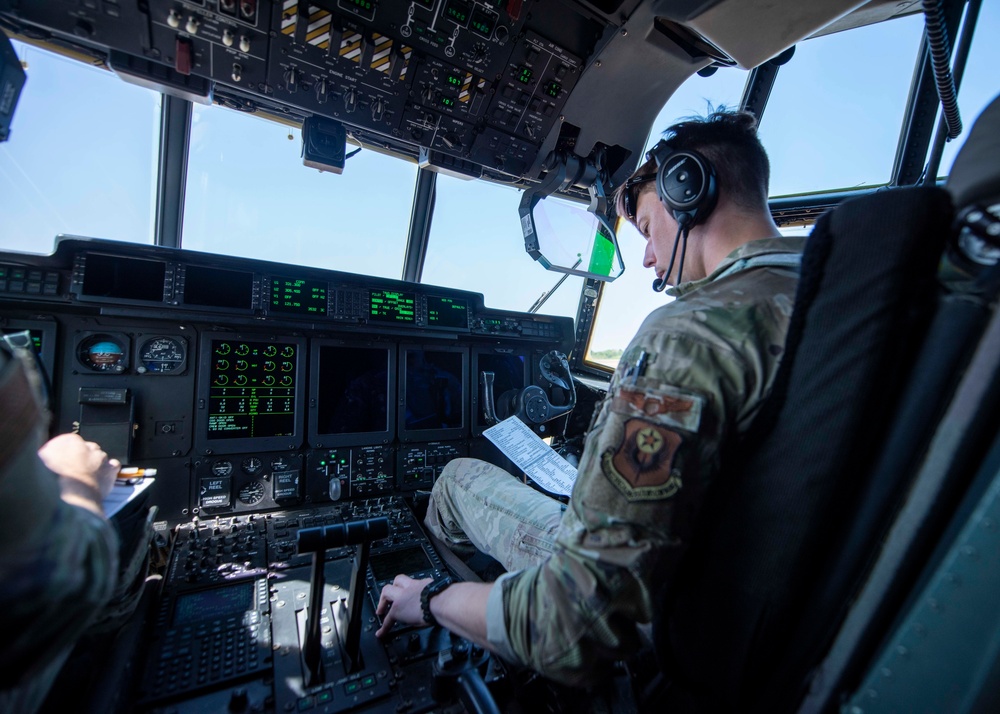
(452, 474)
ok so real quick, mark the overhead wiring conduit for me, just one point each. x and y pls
(937, 41)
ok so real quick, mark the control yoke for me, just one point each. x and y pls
(553, 395)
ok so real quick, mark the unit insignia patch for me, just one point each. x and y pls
(642, 465)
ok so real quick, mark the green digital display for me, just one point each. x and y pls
(483, 23)
(524, 75)
(447, 312)
(447, 102)
(454, 80)
(296, 296)
(553, 89)
(458, 11)
(392, 306)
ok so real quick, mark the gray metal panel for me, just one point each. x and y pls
(943, 656)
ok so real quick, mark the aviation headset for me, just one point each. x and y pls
(687, 187)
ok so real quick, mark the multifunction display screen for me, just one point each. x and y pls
(217, 604)
(213, 287)
(447, 312)
(392, 306)
(434, 396)
(353, 389)
(298, 297)
(252, 392)
(109, 276)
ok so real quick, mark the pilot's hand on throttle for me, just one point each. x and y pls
(400, 602)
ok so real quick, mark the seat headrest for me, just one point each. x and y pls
(975, 175)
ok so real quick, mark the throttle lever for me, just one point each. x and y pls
(489, 407)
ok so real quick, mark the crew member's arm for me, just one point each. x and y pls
(460, 608)
(58, 554)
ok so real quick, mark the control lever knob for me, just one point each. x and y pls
(350, 100)
(239, 702)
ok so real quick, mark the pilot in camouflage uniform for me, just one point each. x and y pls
(693, 377)
(58, 562)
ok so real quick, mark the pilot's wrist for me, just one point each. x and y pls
(429, 591)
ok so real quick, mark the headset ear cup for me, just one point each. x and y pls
(686, 185)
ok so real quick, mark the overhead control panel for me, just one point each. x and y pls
(475, 86)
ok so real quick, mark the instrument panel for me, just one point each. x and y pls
(252, 386)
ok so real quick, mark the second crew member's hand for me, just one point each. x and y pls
(83, 462)
(400, 602)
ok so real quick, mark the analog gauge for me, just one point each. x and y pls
(241, 379)
(251, 464)
(222, 468)
(222, 380)
(223, 348)
(103, 353)
(287, 351)
(269, 380)
(162, 355)
(242, 349)
(252, 493)
(270, 351)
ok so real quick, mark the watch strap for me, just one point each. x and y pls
(430, 590)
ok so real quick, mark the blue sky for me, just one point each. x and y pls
(83, 149)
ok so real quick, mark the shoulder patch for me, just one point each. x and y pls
(641, 467)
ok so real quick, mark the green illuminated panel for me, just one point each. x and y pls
(458, 11)
(483, 23)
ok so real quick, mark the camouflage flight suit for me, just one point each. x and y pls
(58, 563)
(692, 379)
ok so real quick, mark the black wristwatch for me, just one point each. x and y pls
(429, 591)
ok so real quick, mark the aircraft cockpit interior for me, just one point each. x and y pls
(282, 403)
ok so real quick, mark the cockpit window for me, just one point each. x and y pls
(832, 121)
(248, 194)
(476, 244)
(834, 116)
(82, 156)
(627, 301)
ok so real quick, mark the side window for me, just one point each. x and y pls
(627, 301)
(81, 157)
(476, 244)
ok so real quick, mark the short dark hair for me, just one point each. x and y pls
(728, 139)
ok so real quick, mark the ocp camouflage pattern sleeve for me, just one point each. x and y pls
(693, 377)
(58, 561)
